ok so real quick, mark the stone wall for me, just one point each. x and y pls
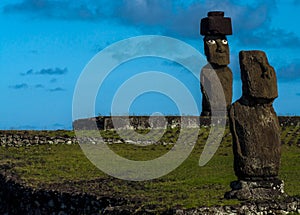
(139, 122)
(18, 139)
(13, 138)
(143, 122)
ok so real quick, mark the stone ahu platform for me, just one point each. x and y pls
(142, 122)
(260, 190)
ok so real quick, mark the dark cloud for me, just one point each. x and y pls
(19, 86)
(65, 9)
(29, 72)
(183, 20)
(97, 48)
(270, 38)
(50, 71)
(290, 71)
(53, 80)
(57, 89)
(33, 51)
(39, 86)
(56, 71)
(38, 7)
(251, 23)
(28, 5)
(168, 17)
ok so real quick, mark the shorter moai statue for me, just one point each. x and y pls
(214, 28)
(255, 131)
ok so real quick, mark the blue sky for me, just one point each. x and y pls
(45, 44)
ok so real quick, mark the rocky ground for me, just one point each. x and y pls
(69, 198)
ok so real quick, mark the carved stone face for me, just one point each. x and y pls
(258, 76)
(217, 50)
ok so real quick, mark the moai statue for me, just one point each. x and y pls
(214, 28)
(255, 131)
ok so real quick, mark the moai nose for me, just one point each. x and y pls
(220, 47)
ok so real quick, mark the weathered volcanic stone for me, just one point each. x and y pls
(216, 49)
(210, 89)
(254, 123)
(255, 131)
(215, 23)
(256, 190)
(256, 141)
(259, 78)
(215, 27)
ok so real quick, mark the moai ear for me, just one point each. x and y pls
(258, 76)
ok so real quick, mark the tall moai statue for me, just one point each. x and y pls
(255, 131)
(214, 28)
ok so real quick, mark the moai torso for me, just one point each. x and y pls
(253, 121)
(224, 75)
(215, 28)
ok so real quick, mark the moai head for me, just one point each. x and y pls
(214, 28)
(258, 77)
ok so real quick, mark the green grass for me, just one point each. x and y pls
(188, 186)
(48, 164)
(48, 133)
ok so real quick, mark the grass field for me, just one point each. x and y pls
(65, 166)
